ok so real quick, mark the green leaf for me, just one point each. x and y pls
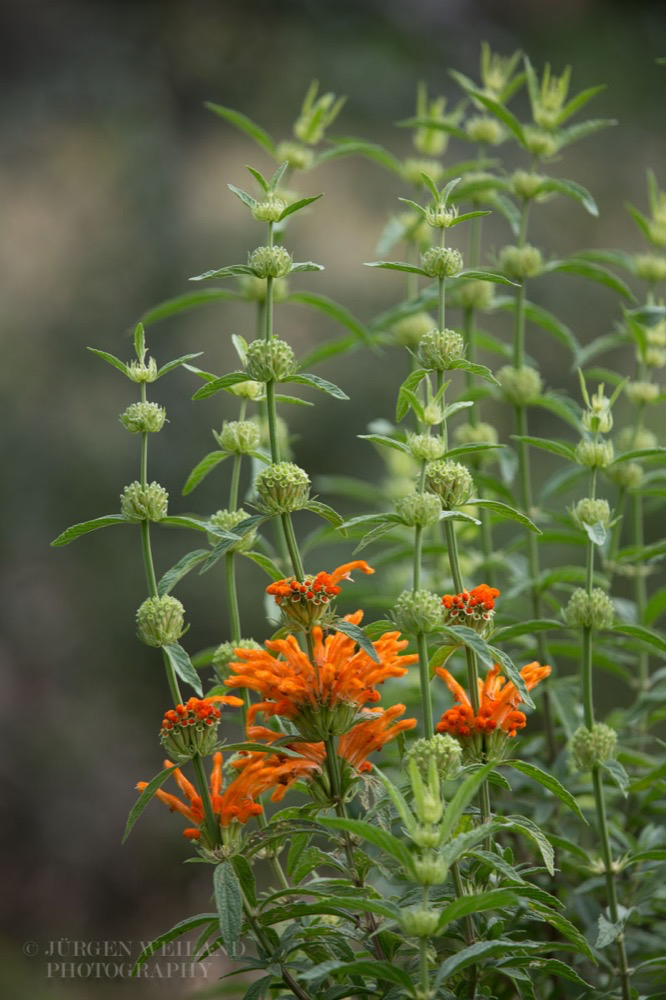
(140, 342)
(217, 384)
(608, 932)
(618, 775)
(333, 309)
(503, 510)
(169, 367)
(231, 271)
(571, 190)
(548, 781)
(474, 953)
(526, 628)
(494, 899)
(245, 124)
(462, 635)
(411, 383)
(85, 526)
(497, 279)
(318, 383)
(201, 470)
(229, 902)
(243, 195)
(466, 216)
(575, 132)
(500, 112)
(359, 636)
(645, 635)
(595, 532)
(180, 569)
(534, 833)
(307, 265)
(145, 797)
(259, 177)
(639, 453)
(513, 673)
(268, 566)
(330, 515)
(545, 444)
(184, 927)
(365, 968)
(474, 448)
(397, 266)
(111, 359)
(388, 442)
(182, 521)
(182, 666)
(474, 369)
(591, 271)
(374, 835)
(278, 175)
(373, 536)
(190, 300)
(296, 206)
(463, 796)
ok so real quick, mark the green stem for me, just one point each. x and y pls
(212, 824)
(640, 589)
(272, 421)
(424, 678)
(232, 597)
(441, 303)
(292, 545)
(418, 549)
(235, 482)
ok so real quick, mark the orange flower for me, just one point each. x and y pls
(497, 719)
(236, 804)
(474, 608)
(323, 697)
(192, 728)
(305, 603)
(368, 736)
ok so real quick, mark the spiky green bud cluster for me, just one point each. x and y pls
(526, 185)
(282, 488)
(413, 167)
(139, 503)
(651, 267)
(442, 262)
(248, 389)
(410, 330)
(485, 130)
(539, 142)
(419, 509)
(656, 335)
(591, 511)
(595, 454)
(480, 433)
(440, 348)
(227, 520)
(142, 418)
(160, 621)
(474, 294)
(426, 447)
(419, 921)
(433, 414)
(641, 437)
(298, 157)
(270, 262)
(239, 436)
(226, 654)
(593, 610)
(142, 371)
(270, 360)
(641, 392)
(441, 216)
(450, 481)
(445, 750)
(269, 210)
(520, 385)
(521, 262)
(627, 475)
(418, 611)
(592, 747)
(655, 357)
(430, 869)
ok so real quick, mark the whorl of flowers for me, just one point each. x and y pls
(305, 602)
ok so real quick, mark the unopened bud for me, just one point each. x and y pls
(441, 216)
(480, 433)
(656, 335)
(526, 185)
(226, 654)
(433, 414)
(270, 262)
(594, 454)
(430, 870)
(450, 481)
(239, 436)
(474, 295)
(412, 169)
(270, 360)
(410, 330)
(419, 921)
(591, 511)
(655, 357)
(419, 509)
(650, 267)
(298, 157)
(593, 610)
(254, 288)
(520, 385)
(539, 142)
(642, 392)
(269, 210)
(227, 520)
(641, 437)
(142, 371)
(592, 747)
(441, 262)
(627, 475)
(446, 751)
(485, 130)
(427, 447)
(160, 621)
(282, 487)
(418, 611)
(144, 503)
(521, 262)
(247, 390)
(598, 418)
(142, 418)
(440, 348)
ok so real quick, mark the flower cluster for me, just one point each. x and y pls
(192, 728)
(474, 608)
(304, 603)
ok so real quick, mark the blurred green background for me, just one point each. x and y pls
(113, 185)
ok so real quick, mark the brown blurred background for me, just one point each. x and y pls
(113, 187)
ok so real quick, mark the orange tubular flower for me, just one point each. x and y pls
(497, 720)
(322, 698)
(366, 737)
(305, 603)
(474, 608)
(192, 728)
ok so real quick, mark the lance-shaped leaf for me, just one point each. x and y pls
(560, 448)
(593, 272)
(494, 899)
(190, 300)
(318, 383)
(181, 569)
(373, 835)
(243, 196)
(229, 902)
(330, 515)
(643, 634)
(497, 279)
(548, 781)
(182, 665)
(217, 384)
(268, 566)
(462, 798)
(387, 442)
(231, 271)
(170, 365)
(411, 383)
(110, 359)
(184, 927)
(85, 527)
(145, 797)
(245, 124)
(202, 468)
(397, 266)
(306, 265)
(468, 366)
(359, 636)
(333, 309)
(505, 511)
(296, 206)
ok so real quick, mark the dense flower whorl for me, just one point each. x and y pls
(192, 728)
(474, 608)
(304, 603)
(323, 697)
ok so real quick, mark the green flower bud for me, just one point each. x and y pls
(450, 481)
(140, 371)
(269, 210)
(627, 475)
(426, 447)
(239, 436)
(440, 348)
(592, 747)
(539, 143)
(526, 185)
(412, 169)
(247, 390)
(225, 654)
(441, 262)
(316, 115)
(655, 357)
(144, 504)
(160, 621)
(270, 262)
(419, 921)
(432, 414)
(598, 418)
(441, 216)
(410, 330)
(430, 869)
(628, 439)
(651, 267)
(480, 433)
(593, 610)
(419, 509)
(227, 520)
(425, 835)
(641, 392)
(485, 130)
(298, 157)
(521, 262)
(282, 487)
(591, 511)
(418, 611)
(141, 418)
(254, 288)
(520, 385)
(270, 360)
(474, 295)
(594, 454)
(656, 335)
(444, 749)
